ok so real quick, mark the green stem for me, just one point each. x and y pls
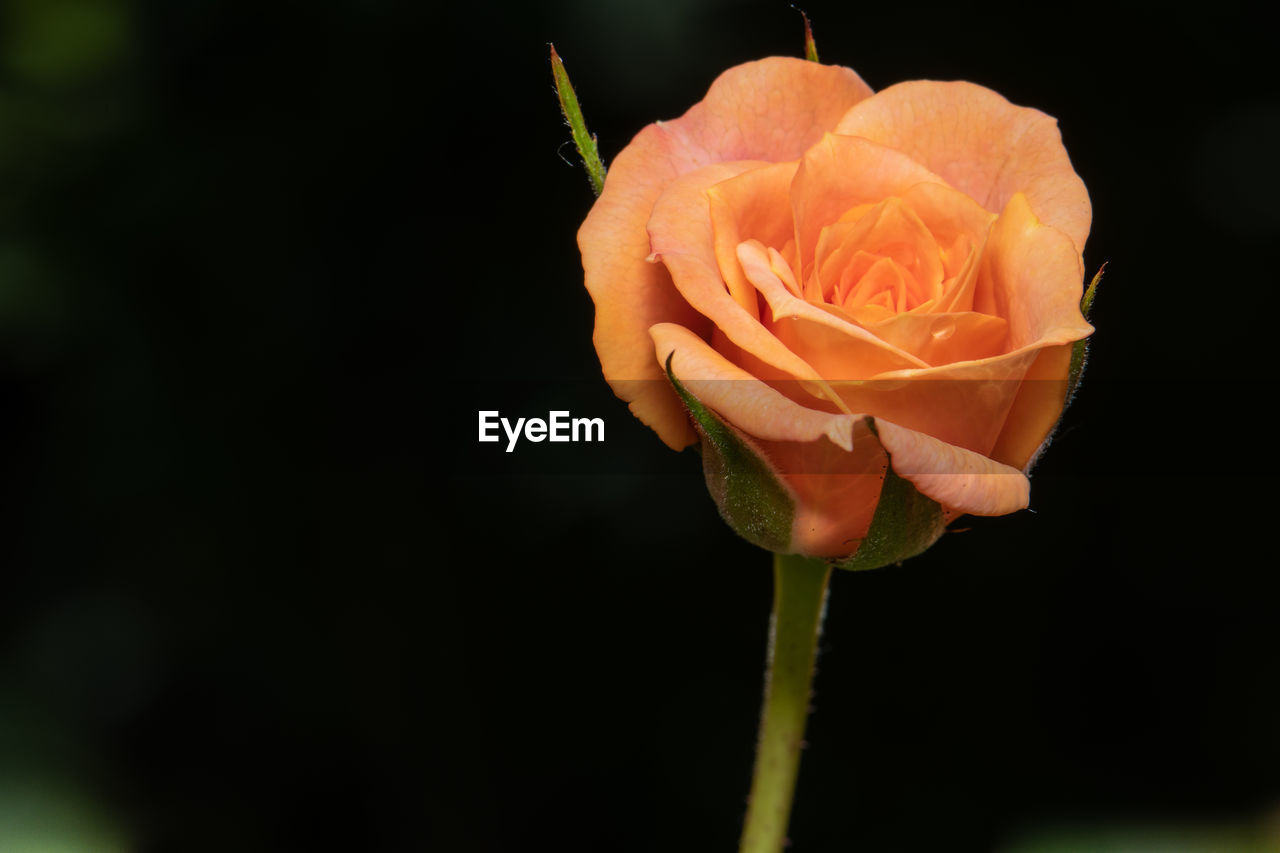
(799, 597)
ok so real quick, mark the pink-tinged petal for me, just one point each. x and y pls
(982, 145)
(1036, 410)
(842, 172)
(742, 399)
(682, 239)
(772, 109)
(631, 295)
(1033, 277)
(835, 347)
(753, 206)
(832, 463)
(954, 477)
(836, 490)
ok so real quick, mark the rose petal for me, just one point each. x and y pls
(982, 145)
(682, 239)
(944, 338)
(745, 114)
(631, 295)
(745, 401)
(959, 225)
(890, 229)
(1035, 411)
(753, 206)
(836, 348)
(836, 480)
(965, 403)
(841, 172)
(1033, 277)
(955, 478)
(772, 109)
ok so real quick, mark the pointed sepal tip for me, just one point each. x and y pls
(584, 141)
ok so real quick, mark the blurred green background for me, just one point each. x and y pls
(261, 263)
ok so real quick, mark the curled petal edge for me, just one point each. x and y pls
(956, 478)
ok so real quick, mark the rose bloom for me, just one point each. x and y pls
(851, 281)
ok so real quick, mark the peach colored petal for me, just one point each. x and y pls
(830, 461)
(836, 490)
(836, 348)
(886, 283)
(681, 237)
(742, 399)
(981, 144)
(1033, 277)
(753, 206)
(745, 401)
(964, 405)
(956, 478)
(773, 109)
(781, 267)
(1036, 410)
(841, 172)
(957, 291)
(947, 212)
(890, 230)
(968, 403)
(630, 295)
(960, 226)
(941, 339)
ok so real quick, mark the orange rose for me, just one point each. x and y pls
(855, 283)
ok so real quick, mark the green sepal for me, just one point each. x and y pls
(751, 496)
(905, 523)
(1080, 349)
(582, 140)
(810, 46)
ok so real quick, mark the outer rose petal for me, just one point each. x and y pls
(742, 399)
(773, 109)
(1033, 277)
(828, 460)
(953, 477)
(631, 295)
(965, 404)
(1036, 410)
(982, 145)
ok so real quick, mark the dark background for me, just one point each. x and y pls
(260, 589)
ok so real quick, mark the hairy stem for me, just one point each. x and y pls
(799, 598)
